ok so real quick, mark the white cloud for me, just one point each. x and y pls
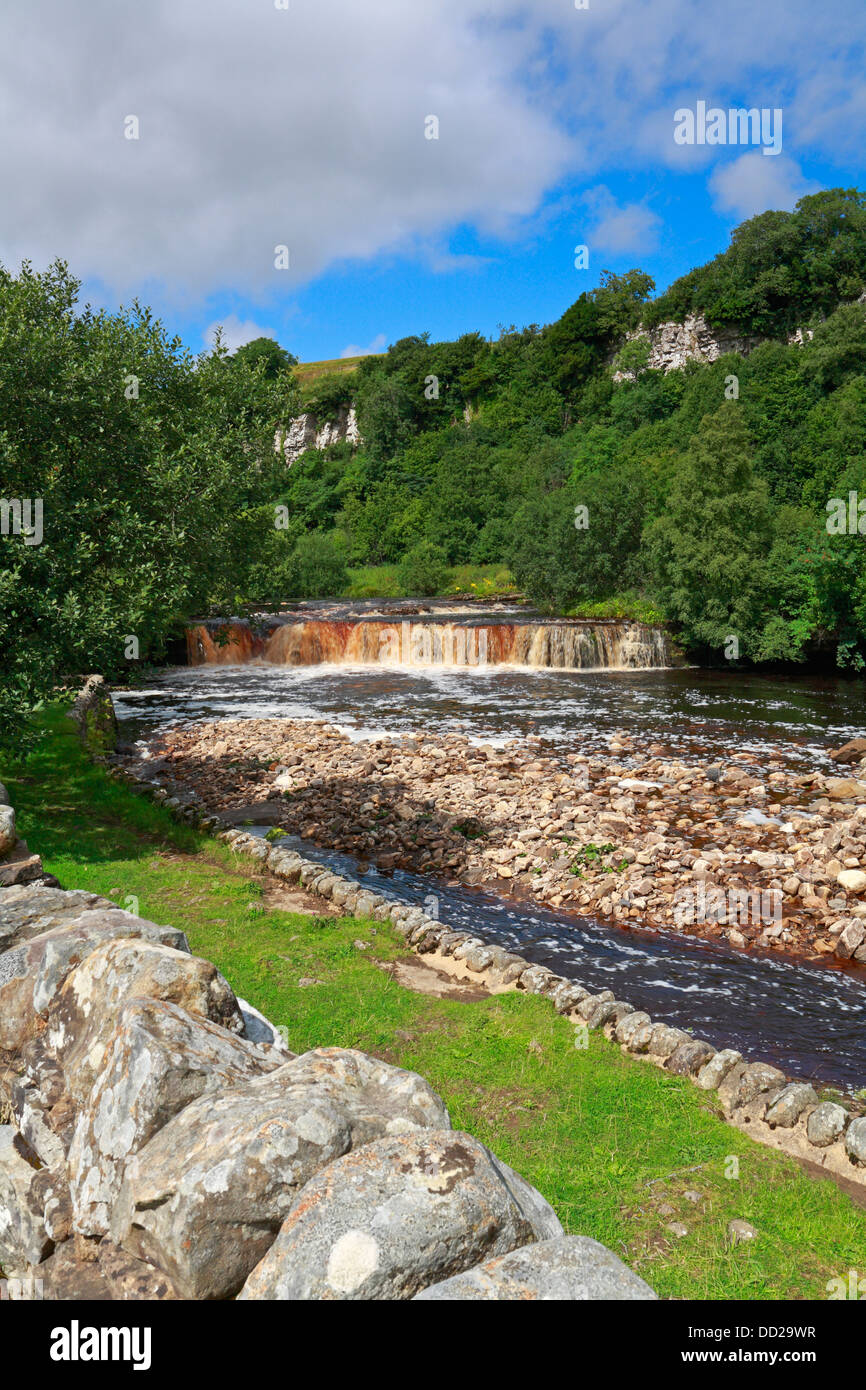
(620, 229)
(235, 332)
(261, 127)
(379, 343)
(751, 184)
(258, 128)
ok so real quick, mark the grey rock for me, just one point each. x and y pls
(713, 1072)
(158, 1061)
(81, 1020)
(32, 974)
(787, 1105)
(665, 1040)
(855, 1141)
(689, 1057)
(537, 979)
(204, 1199)
(570, 1268)
(29, 909)
(23, 1238)
(826, 1124)
(394, 1217)
(626, 1027)
(745, 1082)
(567, 996)
(741, 1232)
(8, 833)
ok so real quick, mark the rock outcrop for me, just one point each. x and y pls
(307, 432)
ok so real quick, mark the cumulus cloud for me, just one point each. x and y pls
(379, 344)
(751, 184)
(258, 128)
(305, 128)
(235, 332)
(620, 229)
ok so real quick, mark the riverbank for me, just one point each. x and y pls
(624, 1152)
(762, 858)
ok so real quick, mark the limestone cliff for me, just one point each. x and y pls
(306, 432)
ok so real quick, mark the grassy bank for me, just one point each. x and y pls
(383, 581)
(613, 1143)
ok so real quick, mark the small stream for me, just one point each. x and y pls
(809, 1021)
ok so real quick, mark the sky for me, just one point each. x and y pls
(338, 174)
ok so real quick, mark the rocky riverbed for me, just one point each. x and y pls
(762, 857)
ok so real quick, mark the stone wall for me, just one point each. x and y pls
(160, 1141)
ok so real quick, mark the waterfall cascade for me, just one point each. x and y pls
(563, 645)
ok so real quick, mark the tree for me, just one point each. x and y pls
(709, 548)
(275, 360)
(581, 543)
(423, 571)
(151, 469)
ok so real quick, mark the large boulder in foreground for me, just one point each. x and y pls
(571, 1268)
(32, 974)
(204, 1199)
(83, 1017)
(396, 1216)
(159, 1060)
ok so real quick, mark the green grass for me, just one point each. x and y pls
(481, 581)
(605, 1137)
(308, 372)
(627, 607)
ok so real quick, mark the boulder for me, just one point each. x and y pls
(396, 1216)
(8, 833)
(158, 1061)
(82, 1018)
(570, 1268)
(713, 1072)
(855, 1141)
(32, 974)
(205, 1198)
(29, 909)
(23, 1238)
(787, 1105)
(826, 1124)
(745, 1083)
(688, 1058)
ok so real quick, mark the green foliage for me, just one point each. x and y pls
(318, 566)
(267, 354)
(424, 569)
(152, 468)
(781, 268)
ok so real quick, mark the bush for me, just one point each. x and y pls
(317, 568)
(424, 569)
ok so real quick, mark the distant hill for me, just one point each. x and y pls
(308, 372)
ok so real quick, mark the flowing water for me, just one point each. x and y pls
(808, 1020)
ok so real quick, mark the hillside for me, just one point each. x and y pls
(703, 490)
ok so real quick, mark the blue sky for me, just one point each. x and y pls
(257, 126)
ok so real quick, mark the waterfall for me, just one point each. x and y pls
(567, 645)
